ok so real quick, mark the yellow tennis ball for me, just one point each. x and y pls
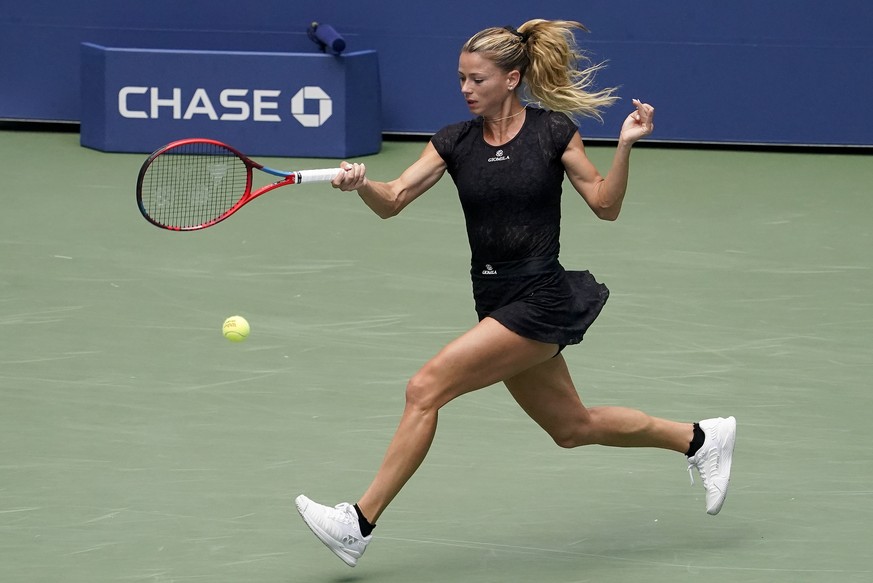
(236, 329)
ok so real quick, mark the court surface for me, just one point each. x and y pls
(136, 444)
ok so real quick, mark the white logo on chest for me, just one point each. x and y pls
(499, 157)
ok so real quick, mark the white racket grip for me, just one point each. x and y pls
(322, 175)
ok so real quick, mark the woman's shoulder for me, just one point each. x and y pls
(449, 136)
(460, 128)
(553, 118)
(559, 126)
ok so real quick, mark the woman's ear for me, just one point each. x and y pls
(512, 80)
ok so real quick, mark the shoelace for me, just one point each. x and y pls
(711, 461)
(341, 513)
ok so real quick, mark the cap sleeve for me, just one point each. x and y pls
(447, 140)
(562, 129)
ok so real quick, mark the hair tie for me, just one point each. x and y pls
(522, 36)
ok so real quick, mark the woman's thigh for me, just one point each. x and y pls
(547, 394)
(486, 354)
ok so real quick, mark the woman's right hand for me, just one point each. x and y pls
(353, 177)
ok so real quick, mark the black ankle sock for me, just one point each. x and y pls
(366, 527)
(696, 441)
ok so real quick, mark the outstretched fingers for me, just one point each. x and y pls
(644, 116)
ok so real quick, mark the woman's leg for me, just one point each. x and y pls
(483, 356)
(541, 384)
(547, 394)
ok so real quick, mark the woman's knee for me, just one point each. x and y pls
(573, 434)
(568, 439)
(423, 391)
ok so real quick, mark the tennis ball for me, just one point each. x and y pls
(236, 329)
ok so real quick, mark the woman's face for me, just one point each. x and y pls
(484, 86)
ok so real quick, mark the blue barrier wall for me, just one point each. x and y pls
(781, 72)
(135, 100)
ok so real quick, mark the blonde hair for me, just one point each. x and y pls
(556, 73)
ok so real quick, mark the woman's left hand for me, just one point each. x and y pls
(638, 124)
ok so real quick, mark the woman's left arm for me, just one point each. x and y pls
(605, 195)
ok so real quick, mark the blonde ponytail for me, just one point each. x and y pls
(556, 73)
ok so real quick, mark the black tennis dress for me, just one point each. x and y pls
(511, 197)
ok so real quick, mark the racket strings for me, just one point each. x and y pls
(193, 184)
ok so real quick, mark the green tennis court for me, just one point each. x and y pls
(136, 444)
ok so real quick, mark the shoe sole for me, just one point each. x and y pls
(321, 535)
(724, 463)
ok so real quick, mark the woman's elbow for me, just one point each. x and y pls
(384, 208)
(393, 208)
(608, 213)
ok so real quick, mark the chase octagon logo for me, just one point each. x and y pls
(298, 106)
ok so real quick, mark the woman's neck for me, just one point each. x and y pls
(506, 117)
(501, 129)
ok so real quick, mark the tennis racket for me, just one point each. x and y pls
(195, 183)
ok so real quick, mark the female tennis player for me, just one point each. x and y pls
(508, 164)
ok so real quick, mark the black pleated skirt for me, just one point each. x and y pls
(537, 299)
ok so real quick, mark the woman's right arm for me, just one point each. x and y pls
(387, 199)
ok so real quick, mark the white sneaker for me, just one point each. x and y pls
(713, 460)
(336, 527)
